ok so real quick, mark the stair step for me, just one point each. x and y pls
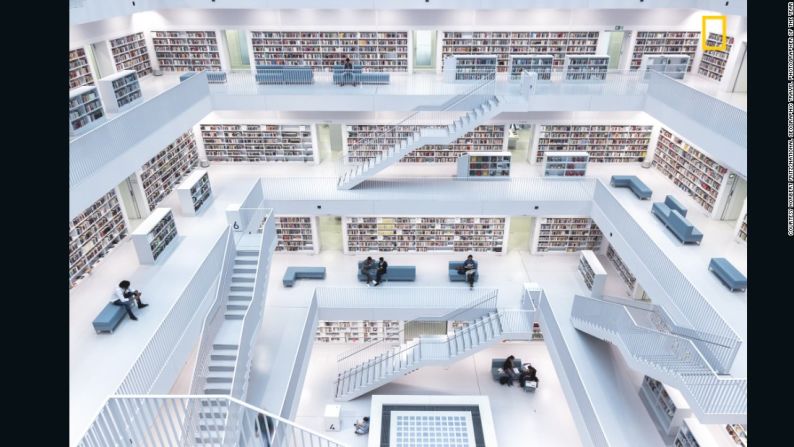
(246, 268)
(218, 389)
(236, 307)
(241, 287)
(243, 277)
(239, 297)
(221, 377)
(220, 356)
(221, 365)
(224, 347)
(212, 415)
(246, 260)
(214, 403)
(234, 314)
(254, 253)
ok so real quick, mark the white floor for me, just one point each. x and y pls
(541, 418)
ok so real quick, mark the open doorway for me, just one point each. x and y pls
(237, 46)
(329, 230)
(520, 234)
(616, 44)
(133, 201)
(102, 58)
(735, 193)
(424, 50)
(740, 84)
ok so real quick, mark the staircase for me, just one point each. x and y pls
(484, 111)
(669, 358)
(382, 368)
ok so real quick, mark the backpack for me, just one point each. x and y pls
(503, 380)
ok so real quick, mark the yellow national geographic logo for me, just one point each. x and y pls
(723, 46)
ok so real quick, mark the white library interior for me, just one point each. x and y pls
(238, 162)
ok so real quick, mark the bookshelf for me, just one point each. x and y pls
(154, 235)
(186, 50)
(503, 44)
(79, 69)
(245, 143)
(297, 234)
(93, 234)
(120, 90)
(672, 65)
(565, 164)
(443, 234)
(484, 166)
(712, 62)
(163, 172)
(537, 63)
(623, 271)
(618, 143)
(592, 272)
(664, 42)
(85, 109)
(565, 235)
(741, 227)
(586, 67)
(360, 143)
(194, 191)
(690, 169)
(470, 68)
(738, 433)
(130, 53)
(358, 331)
(666, 405)
(375, 51)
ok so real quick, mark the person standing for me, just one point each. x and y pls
(124, 295)
(470, 269)
(382, 268)
(366, 266)
(508, 368)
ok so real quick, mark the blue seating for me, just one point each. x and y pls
(294, 273)
(674, 204)
(393, 273)
(186, 75)
(676, 223)
(496, 365)
(633, 183)
(216, 77)
(284, 74)
(454, 276)
(728, 274)
(109, 318)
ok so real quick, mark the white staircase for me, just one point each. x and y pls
(669, 358)
(384, 367)
(487, 109)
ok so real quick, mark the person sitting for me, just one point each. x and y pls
(382, 268)
(123, 296)
(365, 268)
(347, 75)
(509, 368)
(469, 268)
(362, 427)
(528, 374)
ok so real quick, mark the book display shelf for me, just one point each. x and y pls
(85, 109)
(359, 331)
(666, 405)
(665, 42)
(194, 191)
(565, 164)
(503, 44)
(245, 143)
(93, 234)
(297, 234)
(79, 70)
(130, 53)
(604, 143)
(593, 272)
(690, 169)
(425, 234)
(565, 235)
(120, 90)
(366, 141)
(154, 235)
(186, 50)
(672, 65)
(738, 433)
(534, 63)
(742, 233)
(470, 68)
(586, 67)
(484, 166)
(623, 271)
(165, 170)
(375, 51)
(712, 62)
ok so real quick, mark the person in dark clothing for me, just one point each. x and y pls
(365, 268)
(469, 269)
(382, 267)
(347, 75)
(529, 374)
(508, 368)
(123, 296)
(362, 427)
(348, 64)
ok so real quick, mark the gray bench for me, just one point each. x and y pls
(496, 364)
(455, 276)
(393, 272)
(109, 318)
(676, 223)
(213, 77)
(294, 273)
(728, 274)
(633, 183)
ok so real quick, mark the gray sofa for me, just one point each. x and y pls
(728, 274)
(454, 276)
(213, 77)
(292, 274)
(676, 223)
(284, 74)
(341, 76)
(393, 273)
(109, 318)
(497, 363)
(633, 183)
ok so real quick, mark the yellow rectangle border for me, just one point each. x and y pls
(723, 46)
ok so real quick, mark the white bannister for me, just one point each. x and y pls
(398, 297)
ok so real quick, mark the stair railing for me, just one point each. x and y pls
(349, 360)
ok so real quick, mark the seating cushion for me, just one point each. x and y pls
(729, 275)
(674, 204)
(496, 364)
(216, 77)
(633, 183)
(393, 273)
(109, 318)
(186, 75)
(295, 273)
(454, 276)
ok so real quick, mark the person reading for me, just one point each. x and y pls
(124, 295)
